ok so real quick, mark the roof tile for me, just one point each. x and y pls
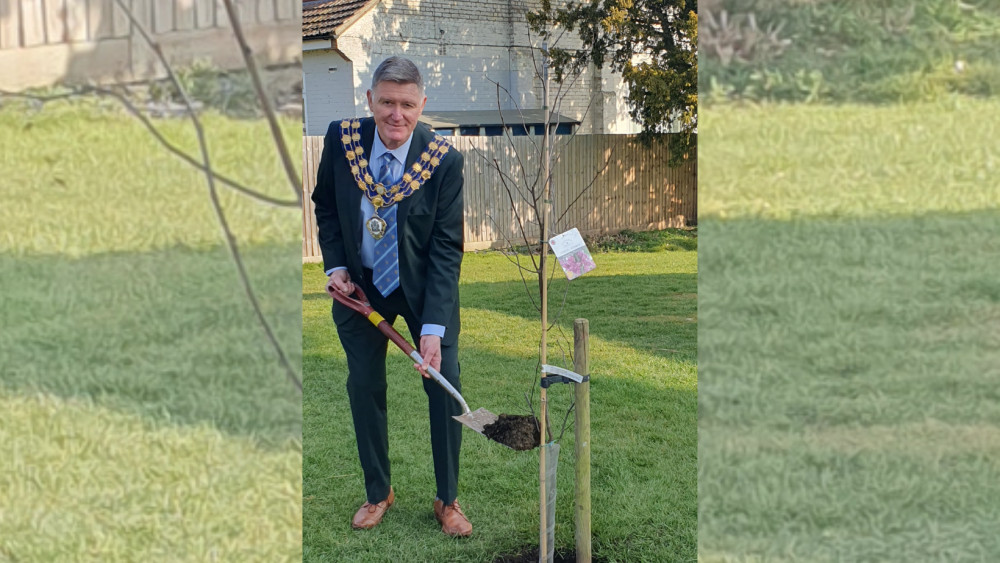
(321, 17)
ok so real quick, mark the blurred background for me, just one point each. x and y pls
(149, 262)
(848, 405)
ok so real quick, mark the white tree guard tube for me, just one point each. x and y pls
(551, 463)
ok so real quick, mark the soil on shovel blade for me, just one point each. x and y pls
(530, 555)
(518, 432)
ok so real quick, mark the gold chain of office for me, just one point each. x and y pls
(379, 194)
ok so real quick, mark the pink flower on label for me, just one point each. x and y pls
(577, 264)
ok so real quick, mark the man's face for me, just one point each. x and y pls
(396, 108)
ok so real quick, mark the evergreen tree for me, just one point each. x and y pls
(652, 43)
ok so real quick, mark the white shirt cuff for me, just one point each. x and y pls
(332, 270)
(436, 330)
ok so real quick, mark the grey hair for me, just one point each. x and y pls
(400, 70)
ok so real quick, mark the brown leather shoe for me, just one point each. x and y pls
(453, 521)
(369, 515)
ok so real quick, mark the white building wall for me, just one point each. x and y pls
(464, 49)
(328, 86)
(49, 42)
(617, 107)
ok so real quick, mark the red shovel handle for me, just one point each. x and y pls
(362, 306)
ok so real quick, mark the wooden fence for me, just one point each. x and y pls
(43, 42)
(607, 182)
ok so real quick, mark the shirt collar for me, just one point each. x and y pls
(378, 149)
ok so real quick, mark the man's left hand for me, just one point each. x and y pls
(430, 350)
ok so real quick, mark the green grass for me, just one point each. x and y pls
(889, 51)
(642, 310)
(145, 415)
(79, 180)
(85, 483)
(849, 301)
(647, 241)
(165, 334)
(794, 161)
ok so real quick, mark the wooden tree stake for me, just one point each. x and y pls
(581, 350)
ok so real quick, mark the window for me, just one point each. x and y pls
(517, 130)
(561, 129)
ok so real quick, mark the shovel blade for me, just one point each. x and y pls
(477, 419)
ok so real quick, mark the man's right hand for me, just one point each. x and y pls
(340, 281)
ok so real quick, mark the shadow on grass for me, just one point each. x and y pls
(168, 334)
(655, 313)
(853, 310)
(644, 463)
(849, 388)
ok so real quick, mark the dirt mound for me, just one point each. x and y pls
(516, 431)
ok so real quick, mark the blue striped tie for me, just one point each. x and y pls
(386, 267)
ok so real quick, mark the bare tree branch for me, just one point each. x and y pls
(279, 141)
(509, 246)
(511, 251)
(520, 223)
(524, 123)
(572, 405)
(214, 197)
(494, 164)
(531, 407)
(555, 320)
(509, 135)
(600, 172)
(520, 270)
(43, 99)
(531, 190)
(586, 112)
(148, 124)
(557, 146)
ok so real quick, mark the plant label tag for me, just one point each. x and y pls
(572, 253)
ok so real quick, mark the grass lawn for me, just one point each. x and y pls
(848, 348)
(642, 309)
(143, 415)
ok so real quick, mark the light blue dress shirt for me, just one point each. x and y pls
(367, 210)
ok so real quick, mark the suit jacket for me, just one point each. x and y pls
(430, 223)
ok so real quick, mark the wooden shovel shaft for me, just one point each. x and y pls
(396, 338)
(385, 328)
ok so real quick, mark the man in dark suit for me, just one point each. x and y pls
(389, 209)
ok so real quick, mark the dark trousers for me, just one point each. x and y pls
(366, 347)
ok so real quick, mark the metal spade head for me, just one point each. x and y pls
(477, 419)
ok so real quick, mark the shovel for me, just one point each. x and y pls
(475, 420)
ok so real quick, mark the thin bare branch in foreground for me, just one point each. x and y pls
(279, 141)
(148, 124)
(520, 269)
(600, 172)
(214, 197)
